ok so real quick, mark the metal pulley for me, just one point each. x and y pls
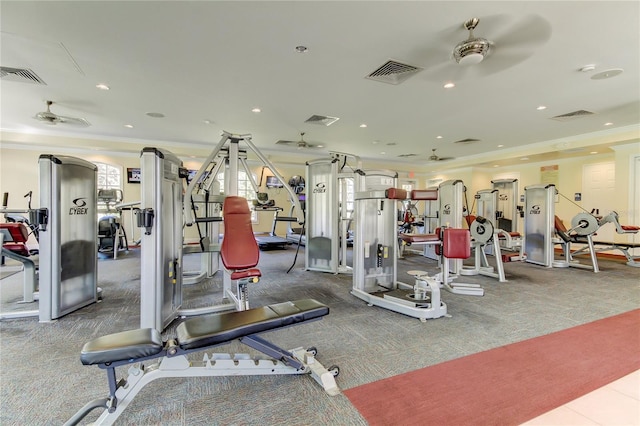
(481, 230)
(584, 224)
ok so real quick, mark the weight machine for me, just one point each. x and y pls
(327, 215)
(541, 225)
(66, 221)
(375, 253)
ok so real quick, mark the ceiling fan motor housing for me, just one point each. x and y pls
(471, 51)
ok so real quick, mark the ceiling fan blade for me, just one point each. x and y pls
(73, 121)
(529, 32)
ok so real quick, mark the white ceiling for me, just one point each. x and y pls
(212, 60)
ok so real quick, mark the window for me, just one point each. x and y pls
(109, 177)
(245, 189)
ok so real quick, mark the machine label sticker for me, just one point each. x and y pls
(79, 208)
(535, 209)
(320, 188)
(446, 209)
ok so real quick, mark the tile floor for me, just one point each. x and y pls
(616, 404)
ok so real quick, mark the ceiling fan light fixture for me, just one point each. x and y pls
(471, 52)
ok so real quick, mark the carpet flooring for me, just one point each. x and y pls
(42, 381)
(510, 384)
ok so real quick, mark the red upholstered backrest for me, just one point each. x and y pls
(456, 243)
(239, 247)
(559, 225)
(19, 232)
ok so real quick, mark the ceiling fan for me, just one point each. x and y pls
(479, 56)
(300, 144)
(48, 117)
(434, 157)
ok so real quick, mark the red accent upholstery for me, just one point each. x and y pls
(511, 234)
(456, 243)
(630, 228)
(559, 225)
(424, 194)
(420, 238)
(247, 273)
(239, 247)
(469, 219)
(396, 194)
(19, 234)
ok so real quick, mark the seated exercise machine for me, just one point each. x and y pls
(239, 252)
(111, 234)
(484, 235)
(14, 246)
(66, 221)
(583, 227)
(375, 260)
(587, 220)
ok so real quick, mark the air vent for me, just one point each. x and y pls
(322, 120)
(407, 155)
(467, 141)
(23, 75)
(393, 72)
(572, 115)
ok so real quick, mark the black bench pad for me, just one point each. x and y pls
(209, 330)
(131, 344)
(200, 332)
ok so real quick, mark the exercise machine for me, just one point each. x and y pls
(200, 334)
(111, 235)
(160, 215)
(67, 262)
(542, 226)
(483, 236)
(499, 207)
(328, 216)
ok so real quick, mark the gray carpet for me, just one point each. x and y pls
(43, 383)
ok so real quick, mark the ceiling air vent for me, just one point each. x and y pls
(322, 120)
(407, 155)
(393, 72)
(572, 115)
(467, 140)
(23, 75)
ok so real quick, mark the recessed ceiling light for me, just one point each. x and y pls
(607, 74)
(155, 114)
(375, 142)
(320, 146)
(302, 49)
(449, 85)
(593, 152)
(129, 126)
(541, 107)
(500, 146)
(588, 68)
(524, 158)
(256, 110)
(608, 124)
(102, 86)
(382, 152)
(496, 165)
(363, 125)
(207, 121)
(438, 137)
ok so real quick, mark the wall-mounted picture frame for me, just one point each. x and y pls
(133, 175)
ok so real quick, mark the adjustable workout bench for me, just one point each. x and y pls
(197, 334)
